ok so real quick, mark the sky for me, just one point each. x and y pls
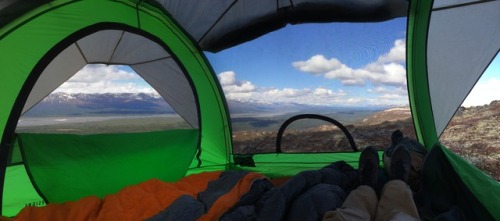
(487, 88)
(100, 78)
(342, 64)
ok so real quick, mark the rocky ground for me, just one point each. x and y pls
(373, 131)
(473, 134)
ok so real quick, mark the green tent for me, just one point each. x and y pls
(43, 43)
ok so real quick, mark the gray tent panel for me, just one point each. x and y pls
(220, 24)
(65, 65)
(170, 82)
(452, 3)
(146, 57)
(197, 16)
(99, 47)
(134, 49)
(463, 40)
(217, 25)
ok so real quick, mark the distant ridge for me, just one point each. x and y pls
(389, 115)
(62, 104)
(84, 104)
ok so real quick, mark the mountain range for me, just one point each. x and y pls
(62, 104)
(83, 104)
(472, 133)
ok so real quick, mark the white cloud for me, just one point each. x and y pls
(104, 79)
(390, 74)
(327, 92)
(239, 88)
(317, 64)
(400, 91)
(283, 93)
(102, 73)
(356, 100)
(316, 96)
(387, 70)
(227, 78)
(239, 95)
(390, 96)
(483, 93)
(377, 90)
(396, 54)
(234, 89)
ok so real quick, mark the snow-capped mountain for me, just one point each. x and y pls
(83, 104)
(62, 104)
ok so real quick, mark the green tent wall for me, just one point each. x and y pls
(185, 28)
(468, 187)
(28, 56)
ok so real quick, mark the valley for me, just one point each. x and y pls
(473, 133)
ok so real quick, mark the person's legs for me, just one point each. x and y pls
(360, 204)
(396, 201)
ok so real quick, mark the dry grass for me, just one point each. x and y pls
(474, 134)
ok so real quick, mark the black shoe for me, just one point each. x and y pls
(400, 164)
(368, 167)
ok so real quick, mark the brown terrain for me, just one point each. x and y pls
(473, 133)
(375, 130)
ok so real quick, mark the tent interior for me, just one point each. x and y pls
(186, 50)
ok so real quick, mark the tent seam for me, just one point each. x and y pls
(81, 52)
(116, 47)
(217, 21)
(461, 5)
(28, 171)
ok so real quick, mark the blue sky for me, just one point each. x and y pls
(487, 88)
(349, 64)
(353, 44)
(346, 64)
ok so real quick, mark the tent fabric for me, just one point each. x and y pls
(11, 9)
(101, 164)
(463, 39)
(418, 86)
(146, 200)
(421, 100)
(169, 36)
(146, 57)
(293, 163)
(21, 191)
(445, 194)
(482, 186)
(59, 25)
(173, 87)
(65, 65)
(217, 25)
(227, 195)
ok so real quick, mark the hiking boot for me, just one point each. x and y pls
(368, 167)
(400, 164)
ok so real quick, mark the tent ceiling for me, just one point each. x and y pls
(219, 24)
(146, 57)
